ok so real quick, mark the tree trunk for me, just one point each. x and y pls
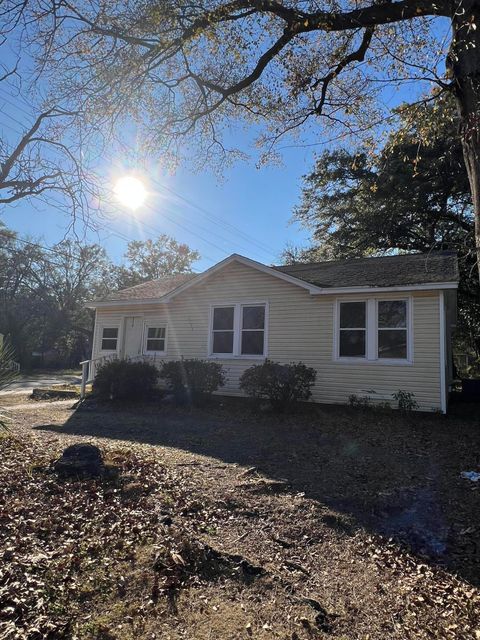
(464, 62)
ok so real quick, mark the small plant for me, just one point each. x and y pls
(359, 402)
(283, 384)
(192, 381)
(406, 400)
(124, 380)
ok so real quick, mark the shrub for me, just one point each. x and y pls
(406, 400)
(193, 381)
(359, 402)
(282, 384)
(124, 380)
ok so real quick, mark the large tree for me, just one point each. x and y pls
(187, 69)
(38, 157)
(413, 195)
(152, 259)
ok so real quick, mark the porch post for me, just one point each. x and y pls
(85, 366)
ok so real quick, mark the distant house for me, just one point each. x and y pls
(369, 326)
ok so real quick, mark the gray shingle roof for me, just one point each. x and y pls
(386, 271)
(151, 289)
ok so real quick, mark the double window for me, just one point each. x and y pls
(238, 330)
(109, 338)
(374, 330)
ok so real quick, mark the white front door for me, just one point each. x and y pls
(133, 336)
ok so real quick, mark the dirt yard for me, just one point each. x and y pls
(227, 523)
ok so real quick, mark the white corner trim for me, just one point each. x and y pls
(443, 390)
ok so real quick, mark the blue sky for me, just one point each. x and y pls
(249, 211)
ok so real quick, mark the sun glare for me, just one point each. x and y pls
(130, 192)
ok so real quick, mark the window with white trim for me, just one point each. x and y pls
(392, 337)
(223, 330)
(109, 338)
(238, 330)
(374, 330)
(253, 330)
(353, 330)
(155, 339)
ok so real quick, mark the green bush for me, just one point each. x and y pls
(192, 381)
(283, 384)
(124, 380)
(406, 400)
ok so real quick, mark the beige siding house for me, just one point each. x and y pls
(368, 326)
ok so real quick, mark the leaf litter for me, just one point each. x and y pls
(175, 545)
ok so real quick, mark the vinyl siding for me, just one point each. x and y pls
(300, 328)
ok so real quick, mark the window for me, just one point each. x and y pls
(374, 330)
(155, 339)
(238, 330)
(392, 329)
(253, 330)
(223, 329)
(109, 338)
(353, 330)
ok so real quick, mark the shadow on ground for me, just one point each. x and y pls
(394, 475)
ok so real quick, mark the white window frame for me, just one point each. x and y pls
(154, 325)
(371, 337)
(101, 338)
(237, 331)
(338, 329)
(406, 328)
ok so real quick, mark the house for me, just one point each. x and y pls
(369, 326)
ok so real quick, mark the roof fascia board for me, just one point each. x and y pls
(412, 287)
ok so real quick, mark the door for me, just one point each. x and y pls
(133, 336)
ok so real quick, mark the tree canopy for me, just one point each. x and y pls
(411, 196)
(185, 73)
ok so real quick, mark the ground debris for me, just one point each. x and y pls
(187, 552)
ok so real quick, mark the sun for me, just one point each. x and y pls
(130, 192)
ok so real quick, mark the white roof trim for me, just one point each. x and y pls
(407, 287)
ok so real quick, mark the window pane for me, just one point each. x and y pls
(223, 318)
(352, 344)
(352, 314)
(252, 343)
(155, 345)
(110, 333)
(253, 317)
(223, 342)
(109, 344)
(392, 313)
(392, 344)
(156, 332)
